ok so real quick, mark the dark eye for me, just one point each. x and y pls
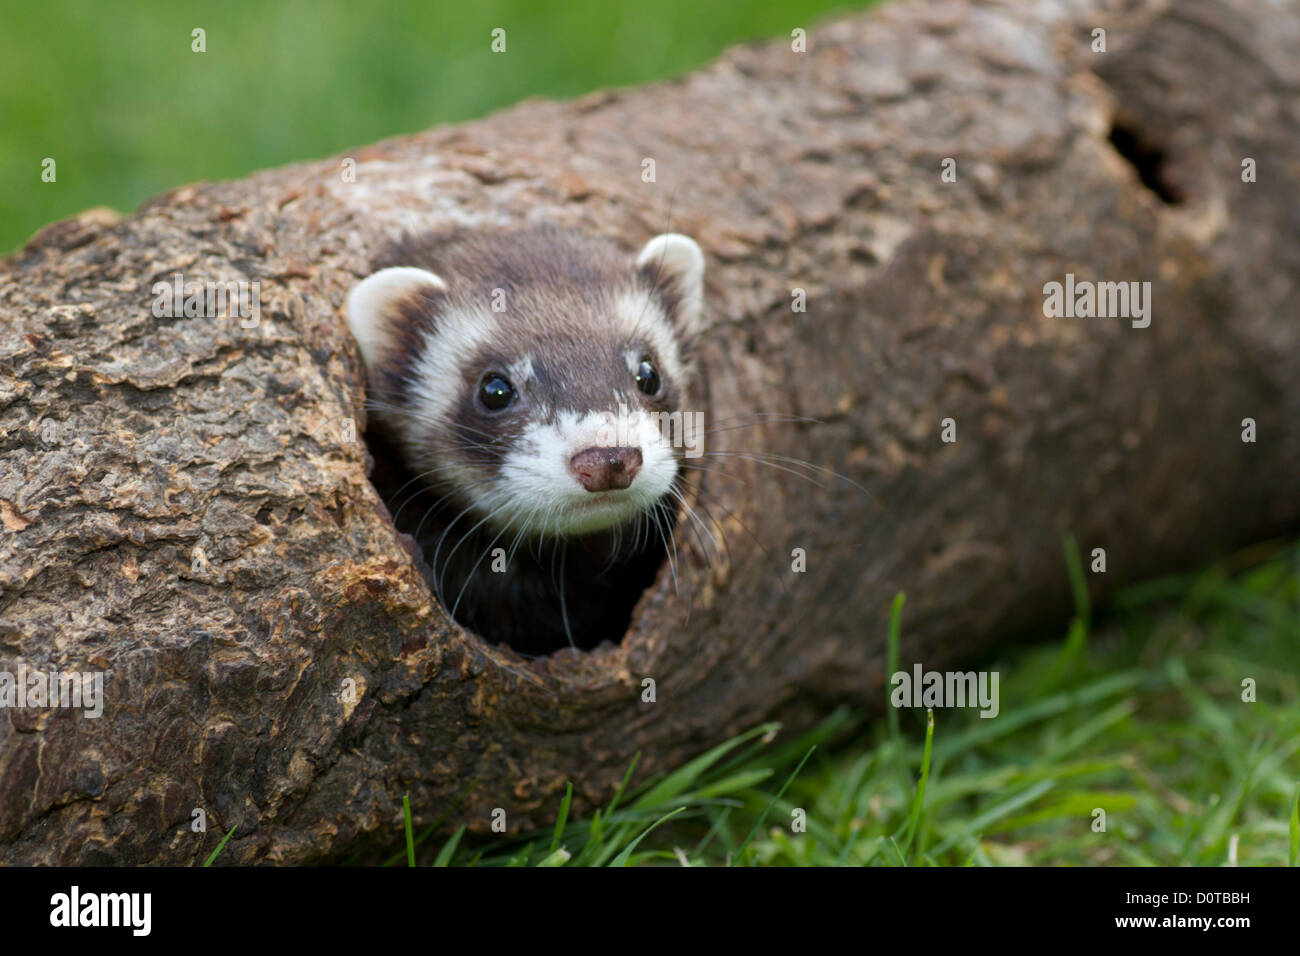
(647, 377)
(496, 392)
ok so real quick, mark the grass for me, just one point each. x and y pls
(1143, 719)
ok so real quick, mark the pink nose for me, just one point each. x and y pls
(604, 469)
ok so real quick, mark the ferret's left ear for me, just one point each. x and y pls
(674, 266)
(385, 304)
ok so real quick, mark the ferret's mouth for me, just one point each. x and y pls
(601, 499)
(599, 511)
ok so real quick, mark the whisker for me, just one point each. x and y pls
(671, 546)
(564, 608)
(715, 471)
(767, 458)
(770, 464)
(774, 419)
(438, 550)
(473, 571)
(690, 512)
(413, 497)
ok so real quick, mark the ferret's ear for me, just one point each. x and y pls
(673, 265)
(389, 307)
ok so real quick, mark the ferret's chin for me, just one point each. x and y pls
(597, 513)
(577, 517)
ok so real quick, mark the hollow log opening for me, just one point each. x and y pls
(544, 595)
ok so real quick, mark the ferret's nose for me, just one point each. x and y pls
(604, 469)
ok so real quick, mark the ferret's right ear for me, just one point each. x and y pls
(673, 265)
(389, 310)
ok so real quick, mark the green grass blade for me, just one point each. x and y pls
(737, 782)
(410, 833)
(563, 817)
(622, 858)
(718, 826)
(427, 832)
(220, 847)
(919, 801)
(995, 813)
(681, 779)
(557, 857)
(622, 787)
(449, 849)
(598, 820)
(771, 803)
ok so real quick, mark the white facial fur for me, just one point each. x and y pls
(536, 491)
(533, 489)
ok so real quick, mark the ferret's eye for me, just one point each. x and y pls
(496, 392)
(647, 378)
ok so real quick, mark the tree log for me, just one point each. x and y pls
(185, 510)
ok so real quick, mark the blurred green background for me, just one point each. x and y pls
(112, 92)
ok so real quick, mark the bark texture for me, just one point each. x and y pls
(128, 441)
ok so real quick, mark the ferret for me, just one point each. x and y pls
(523, 381)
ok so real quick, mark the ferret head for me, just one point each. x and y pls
(544, 379)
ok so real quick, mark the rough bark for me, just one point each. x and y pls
(819, 171)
